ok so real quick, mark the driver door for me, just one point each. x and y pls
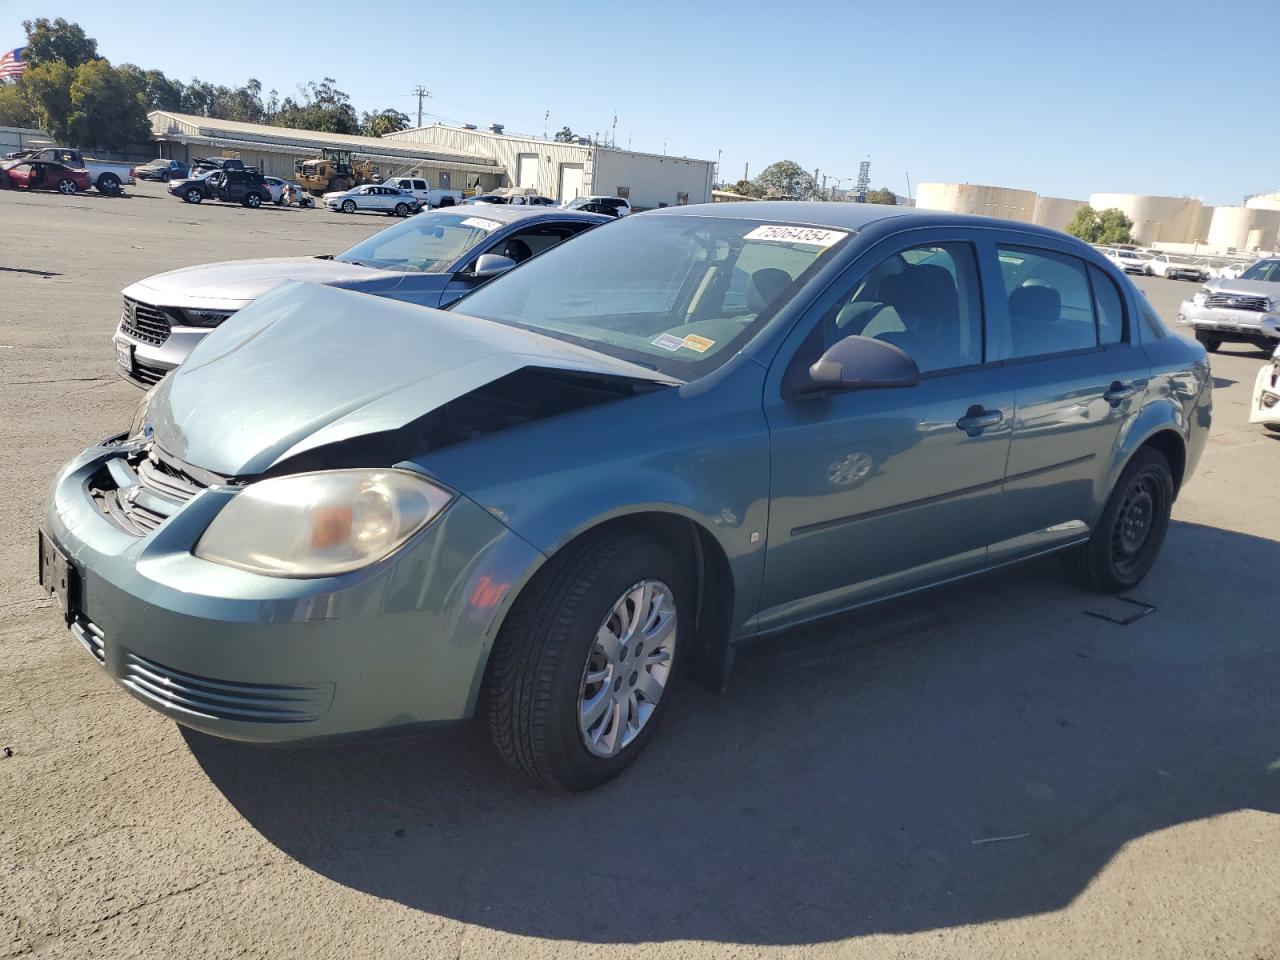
(878, 491)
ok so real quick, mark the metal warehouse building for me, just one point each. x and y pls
(273, 150)
(568, 170)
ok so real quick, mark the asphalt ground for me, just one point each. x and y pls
(987, 771)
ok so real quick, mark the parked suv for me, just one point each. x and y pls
(231, 186)
(610, 206)
(693, 427)
(1244, 310)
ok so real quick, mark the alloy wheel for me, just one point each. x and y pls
(628, 667)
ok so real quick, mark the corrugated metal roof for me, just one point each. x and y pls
(168, 123)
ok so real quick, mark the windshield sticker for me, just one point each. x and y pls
(807, 235)
(480, 223)
(667, 342)
(697, 343)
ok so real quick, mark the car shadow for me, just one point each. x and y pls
(974, 754)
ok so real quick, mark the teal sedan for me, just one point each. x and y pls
(345, 515)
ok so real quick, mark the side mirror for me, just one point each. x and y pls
(492, 264)
(858, 363)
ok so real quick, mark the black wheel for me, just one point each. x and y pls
(402, 210)
(66, 185)
(109, 184)
(446, 201)
(1128, 537)
(252, 200)
(166, 177)
(193, 196)
(1211, 342)
(1267, 346)
(348, 206)
(577, 674)
(1273, 427)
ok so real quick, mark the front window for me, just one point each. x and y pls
(1263, 270)
(676, 294)
(429, 242)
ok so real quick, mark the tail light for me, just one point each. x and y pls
(133, 171)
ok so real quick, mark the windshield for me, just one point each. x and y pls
(429, 242)
(1183, 260)
(577, 203)
(1263, 270)
(677, 294)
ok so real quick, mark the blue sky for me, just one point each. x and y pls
(1062, 98)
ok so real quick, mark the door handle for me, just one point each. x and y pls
(977, 419)
(1118, 392)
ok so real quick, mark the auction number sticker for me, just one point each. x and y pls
(480, 223)
(813, 236)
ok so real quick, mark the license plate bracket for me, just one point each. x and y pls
(124, 355)
(58, 576)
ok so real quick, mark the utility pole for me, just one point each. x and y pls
(420, 91)
(546, 120)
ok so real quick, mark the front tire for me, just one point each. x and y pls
(1128, 537)
(1210, 342)
(348, 206)
(402, 210)
(578, 672)
(193, 196)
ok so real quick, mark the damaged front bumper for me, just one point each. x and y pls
(236, 654)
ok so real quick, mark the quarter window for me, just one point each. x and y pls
(1110, 307)
(1050, 302)
(924, 300)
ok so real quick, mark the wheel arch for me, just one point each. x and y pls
(707, 563)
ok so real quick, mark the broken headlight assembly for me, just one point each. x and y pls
(321, 524)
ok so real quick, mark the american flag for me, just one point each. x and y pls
(12, 64)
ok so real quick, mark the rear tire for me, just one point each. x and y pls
(109, 184)
(67, 185)
(1131, 530)
(546, 669)
(252, 200)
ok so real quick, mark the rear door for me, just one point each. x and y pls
(1077, 373)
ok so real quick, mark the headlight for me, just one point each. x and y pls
(1200, 296)
(205, 318)
(319, 524)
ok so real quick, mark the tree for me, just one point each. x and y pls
(106, 110)
(15, 109)
(323, 107)
(382, 122)
(883, 195)
(1101, 226)
(786, 178)
(48, 94)
(565, 135)
(746, 188)
(158, 91)
(57, 40)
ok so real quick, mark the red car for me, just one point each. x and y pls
(43, 175)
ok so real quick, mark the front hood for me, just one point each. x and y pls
(240, 281)
(307, 366)
(1248, 288)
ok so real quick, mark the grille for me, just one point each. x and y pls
(90, 634)
(1234, 302)
(145, 322)
(146, 374)
(223, 699)
(143, 488)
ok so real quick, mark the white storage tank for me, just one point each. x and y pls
(1005, 203)
(1244, 228)
(1163, 219)
(1056, 212)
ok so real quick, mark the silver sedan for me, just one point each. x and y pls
(373, 198)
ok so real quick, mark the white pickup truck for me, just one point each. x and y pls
(107, 176)
(422, 189)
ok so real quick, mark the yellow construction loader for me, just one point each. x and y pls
(332, 172)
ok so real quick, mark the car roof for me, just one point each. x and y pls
(846, 216)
